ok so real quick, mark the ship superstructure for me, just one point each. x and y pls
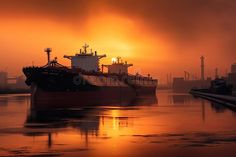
(84, 82)
(118, 66)
(85, 60)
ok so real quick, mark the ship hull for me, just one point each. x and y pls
(41, 100)
(61, 88)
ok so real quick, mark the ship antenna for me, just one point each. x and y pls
(48, 50)
(85, 47)
(118, 59)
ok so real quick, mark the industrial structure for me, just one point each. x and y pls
(12, 84)
(202, 68)
(189, 81)
(232, 78)
(221, 90)
(3, 79)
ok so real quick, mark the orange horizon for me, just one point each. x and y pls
(149, 47)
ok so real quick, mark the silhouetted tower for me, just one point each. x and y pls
(202, 68)
(48, 50)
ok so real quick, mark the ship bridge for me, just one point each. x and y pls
(88, 61)
(118, 66)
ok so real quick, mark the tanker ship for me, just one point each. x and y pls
(84, 83)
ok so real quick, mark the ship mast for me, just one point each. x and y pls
(48, 51)
(118, 59)
(85, 47)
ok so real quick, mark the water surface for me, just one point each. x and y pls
(169, 125)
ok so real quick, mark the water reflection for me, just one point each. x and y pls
(203, 110)
(175, 124)
(86, 119)
(218, 107)
(19, 98)
(180, 98)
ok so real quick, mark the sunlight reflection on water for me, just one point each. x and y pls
(171, 125)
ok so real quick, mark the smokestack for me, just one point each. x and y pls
(202, 68)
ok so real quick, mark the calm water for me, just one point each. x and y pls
(170, 125)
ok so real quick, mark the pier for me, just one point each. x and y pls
(228, 101)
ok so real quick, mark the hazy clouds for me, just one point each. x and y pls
(187, 20)
(190, 26)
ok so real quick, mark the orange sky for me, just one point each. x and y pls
(158, 37)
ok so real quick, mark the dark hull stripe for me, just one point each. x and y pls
(103, 96)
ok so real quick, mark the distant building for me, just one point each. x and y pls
(182, 85)
(233, 68)
(11, 83)
(232, 78)
(20, 82)
(3, 79)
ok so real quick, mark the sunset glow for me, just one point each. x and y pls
(137, 37)
(118, 78)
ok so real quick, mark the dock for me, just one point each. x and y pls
(226, 100)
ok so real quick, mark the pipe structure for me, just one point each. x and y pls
(202, 68)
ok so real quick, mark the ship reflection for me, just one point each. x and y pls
(87, 121)
(20, 99)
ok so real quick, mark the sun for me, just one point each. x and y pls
(113, 60)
